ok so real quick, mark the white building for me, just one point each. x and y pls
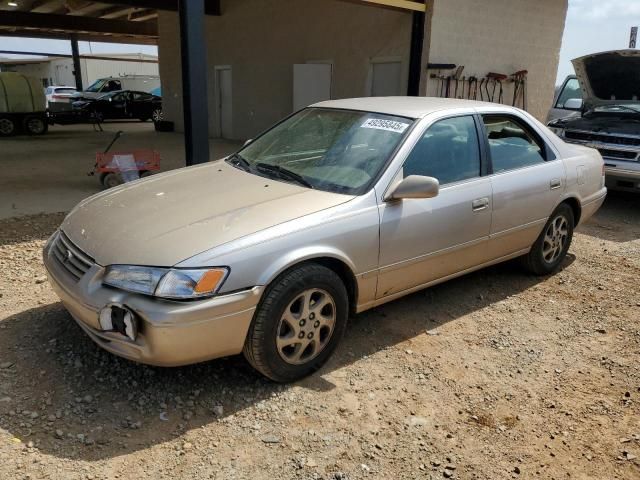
(59, 71)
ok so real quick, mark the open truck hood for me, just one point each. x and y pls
(609, 78)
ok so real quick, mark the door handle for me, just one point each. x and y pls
(480, 204)
(555, 183)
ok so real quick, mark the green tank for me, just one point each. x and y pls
(22, 105)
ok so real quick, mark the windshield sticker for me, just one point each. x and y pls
(388, 125)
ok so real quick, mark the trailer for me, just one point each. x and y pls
(22, 105)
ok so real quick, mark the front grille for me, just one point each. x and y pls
(621, 154)
(602, 138)
(70, 257)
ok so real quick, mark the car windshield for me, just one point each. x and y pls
(95, 86)
(340, 151)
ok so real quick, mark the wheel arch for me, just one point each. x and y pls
(576, 207)
(334, 261)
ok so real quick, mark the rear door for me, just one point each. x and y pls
(527, 181)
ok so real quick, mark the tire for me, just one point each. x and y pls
(284, 345)
(35, 125)
(7, 127)
(110, 180)
(156, 115)
(551, 247)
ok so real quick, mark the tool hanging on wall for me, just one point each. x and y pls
(443, 82)
(456, 76)
(472, 93)
(520, 89)
(495, 79)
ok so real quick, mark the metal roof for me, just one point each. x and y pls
(119, 21)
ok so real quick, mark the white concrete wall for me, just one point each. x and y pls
(262, 39)
(501, 36)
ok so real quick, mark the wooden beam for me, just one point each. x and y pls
(211, 7)
(69, 23)
(47, 6)
(400, 4)
(142, 15)
(116, 12)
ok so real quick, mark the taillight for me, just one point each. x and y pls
(603, 169)
(60, 96)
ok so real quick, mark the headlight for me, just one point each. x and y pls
(166, 282)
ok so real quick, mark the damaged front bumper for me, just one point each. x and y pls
(168, 333)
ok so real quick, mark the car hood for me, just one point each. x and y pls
(609, 78)
(602, 123)
(167, 218)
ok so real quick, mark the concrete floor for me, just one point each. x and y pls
(49, 173)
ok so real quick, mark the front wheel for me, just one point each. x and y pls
(298, 324)
(552, 245)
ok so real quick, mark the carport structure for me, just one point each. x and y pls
(135, 21)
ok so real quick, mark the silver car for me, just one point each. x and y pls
(339, 208)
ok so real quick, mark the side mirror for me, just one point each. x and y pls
(573, 104)
(414, 186)
(247, 142)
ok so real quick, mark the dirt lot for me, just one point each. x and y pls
(495, 375)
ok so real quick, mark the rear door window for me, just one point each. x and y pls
(512, 145)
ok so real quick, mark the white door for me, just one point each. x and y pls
(311, 84)
(386, 79)
(223, 102)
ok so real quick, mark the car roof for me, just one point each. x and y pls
(413, 107)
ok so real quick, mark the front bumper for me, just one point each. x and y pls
(623, 178)
(169, 333)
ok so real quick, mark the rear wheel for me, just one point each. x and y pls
(156, 115)
(298, 323)
(111, 180)
(7, 127)
(35, 125)
(552, 245)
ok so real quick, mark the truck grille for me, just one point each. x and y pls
(70, 257)
(618, 154)
(582, 136)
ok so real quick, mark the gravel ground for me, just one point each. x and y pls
(495, 375)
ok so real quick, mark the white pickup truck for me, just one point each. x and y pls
(604, 113)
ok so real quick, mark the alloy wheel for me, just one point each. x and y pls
(306, 326)
(157, 115)
(555, 239)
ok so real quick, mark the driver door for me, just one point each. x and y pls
(423, 240)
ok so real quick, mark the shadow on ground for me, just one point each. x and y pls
(618, 219)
